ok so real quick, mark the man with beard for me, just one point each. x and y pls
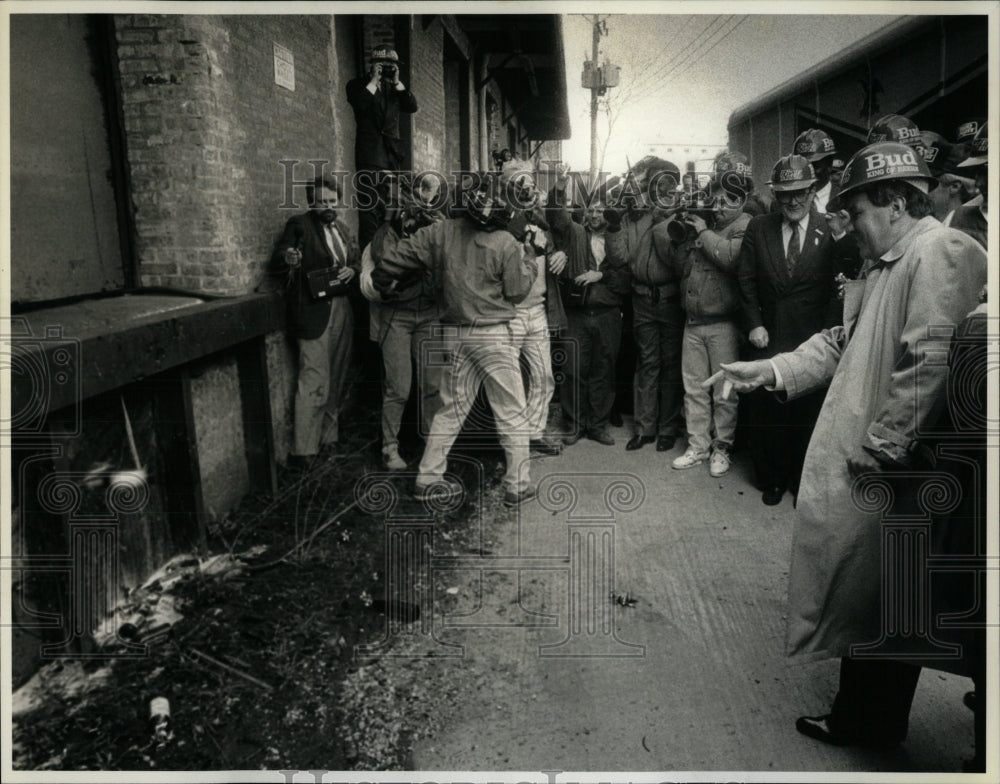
(319, 256)
(886, 386)
(592, 285)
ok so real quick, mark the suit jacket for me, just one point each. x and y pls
(377, 144)
(307, 318)
(791, 308)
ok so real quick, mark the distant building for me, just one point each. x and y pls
(932, 69)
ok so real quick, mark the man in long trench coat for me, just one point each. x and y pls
(886, 385)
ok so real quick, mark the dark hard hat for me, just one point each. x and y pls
(968, 129)
(792, 173)
(883, 162)
(976, 149)
(895, 128)
(936, 150)
(814, 145)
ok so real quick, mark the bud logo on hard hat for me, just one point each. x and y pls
(827, 144)
(968, 129)
(792, 174)
(978, 145)
(878, 164)
(807, 145)
(930, 153)
(875, 138)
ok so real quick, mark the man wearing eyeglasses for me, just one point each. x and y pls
(787, 266)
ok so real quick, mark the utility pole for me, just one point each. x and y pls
(593, 103)
(597, 79)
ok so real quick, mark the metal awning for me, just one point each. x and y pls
(524, 55)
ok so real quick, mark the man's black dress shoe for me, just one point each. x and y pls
(637, 442)
(772, 496)
(665, 443)
(818, 728)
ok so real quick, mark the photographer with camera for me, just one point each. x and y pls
(318, 256)
(377, 98)
(637, 232)
(707, 239)
(403, 325)
(541, 313)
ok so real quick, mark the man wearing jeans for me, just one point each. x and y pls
(706, 261)
(482, 272)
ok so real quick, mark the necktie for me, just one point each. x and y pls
(333, 237)
(794, 248)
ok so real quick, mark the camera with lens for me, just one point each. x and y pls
(388, 72)
(681, 231)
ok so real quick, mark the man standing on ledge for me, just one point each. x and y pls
(886, 387)
(377, 100)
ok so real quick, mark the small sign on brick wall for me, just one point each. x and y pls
(284, 67)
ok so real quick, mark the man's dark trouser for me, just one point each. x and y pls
(587, 393)
(872, 706)
(371, 212)
(659, 388)
(779, 434)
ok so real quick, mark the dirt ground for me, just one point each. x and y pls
(261, 672)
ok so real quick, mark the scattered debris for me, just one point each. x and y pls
(624, 599)
(228, 668)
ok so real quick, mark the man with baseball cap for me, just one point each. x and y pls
(378, 99)
(886, 384)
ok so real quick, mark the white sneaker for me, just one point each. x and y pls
(690, 459)
(719, 464)
(392, 460)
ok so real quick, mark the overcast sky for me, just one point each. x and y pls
(686, 74)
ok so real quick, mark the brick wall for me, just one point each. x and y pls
(206, 127)
(427, 83)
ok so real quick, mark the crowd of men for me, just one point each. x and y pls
(818, 307)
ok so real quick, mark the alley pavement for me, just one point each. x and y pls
(634, 620)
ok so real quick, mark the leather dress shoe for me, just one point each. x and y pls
(571, 438)
(638, 442)
(772, 496)
(818, 728)
(601, 436)
(665, 443)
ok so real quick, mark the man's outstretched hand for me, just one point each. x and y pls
(742, 376)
